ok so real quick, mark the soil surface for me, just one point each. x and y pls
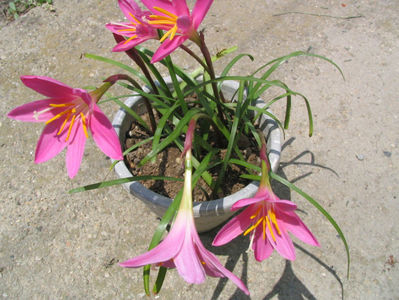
(170, 163)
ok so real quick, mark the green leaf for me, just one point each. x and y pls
(120, 65)
(320, 208)
(103, 184)
(173, 135)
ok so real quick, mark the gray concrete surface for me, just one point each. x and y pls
(59, 246)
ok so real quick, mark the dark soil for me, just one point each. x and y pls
(169, 163)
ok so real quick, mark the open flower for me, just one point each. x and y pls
(268, 220)
(69, 115)
(182, 247)
(137, 30)
(174, 17)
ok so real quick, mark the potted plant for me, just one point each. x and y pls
(217, 123)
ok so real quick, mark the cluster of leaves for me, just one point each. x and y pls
(18, 7)
(230, 118)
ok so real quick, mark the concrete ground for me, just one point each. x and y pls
(54, 245)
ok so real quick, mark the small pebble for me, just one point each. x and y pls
(360, 157)
(387, 153)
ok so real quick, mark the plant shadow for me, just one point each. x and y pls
(288, 287)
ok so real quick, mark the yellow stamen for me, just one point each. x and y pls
(264, 228)
(162, 22)
(156, 17)
(253, 227)
(127, 30)
(172, 35)
(138, 22)
(202, 262)
(84, 124)
(65, 121)
(70, 128)
(61, 105)
(57, 116)
(167, 34)
(270, 228)
(256, 213)
(131, 38)
(165, 12)
(274, 221)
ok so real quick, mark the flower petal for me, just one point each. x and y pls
(199, 11)
(247, 201)
(36, 111)
(234, 227)
(47, 86)
(123, 46)
(129, 7)
(214, 268)
(120, 29)
(167, 47)
(187, 262)
(284, 205)
(294, 224)
(49, 144)
(104, 134)
(181, 8)
(75, 149)
(262, 247)
(165, 251)
(283, 244)
(164, 4)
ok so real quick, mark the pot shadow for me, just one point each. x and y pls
(288, 287)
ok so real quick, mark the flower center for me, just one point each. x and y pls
(267, 220)
(74, 112)
(170, 21)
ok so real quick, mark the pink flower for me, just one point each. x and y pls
(174, 17)
(69, 115)
(137, 30)
(268, 220)
(182, 247)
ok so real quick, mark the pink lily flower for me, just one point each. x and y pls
(182, 247)
(137, 30)
(268, 220)
(174, 17)
(69, 114)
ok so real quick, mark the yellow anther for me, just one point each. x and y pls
(65, 121)
(168, 33)
(70, 128)
(131, 38)
(61, 105)
(156, 17)
(274, 221)
(162, 22)
(253, 226)
(84, 124)
(270, 228)
(264, 228)
(127, 30)
(256, 213)
(57, 116)
(134, 18)
(164, 11)
(202, 262)
(172, 35)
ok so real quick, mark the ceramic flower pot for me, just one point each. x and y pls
(208, 214)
